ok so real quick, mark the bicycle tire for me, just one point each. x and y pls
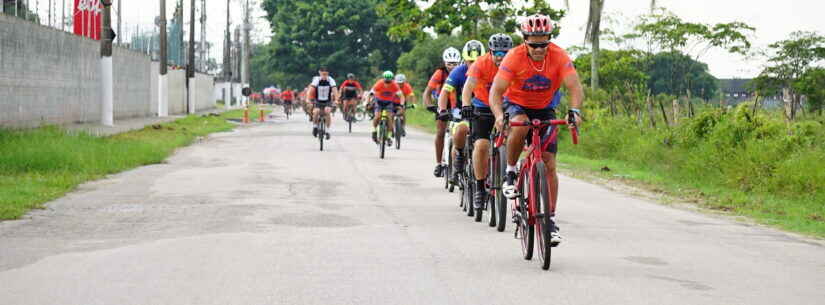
(494, 180)
(383, 138)
(469, 189)
(501, 201)
(397, 133)
(527, 230)
(543, 222)
(349, 122)
(322, 132)
(449, 171)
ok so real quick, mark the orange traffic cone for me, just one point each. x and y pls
(261, 117)
(246, 115)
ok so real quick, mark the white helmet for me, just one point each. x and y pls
(451, 55)
(400, 78)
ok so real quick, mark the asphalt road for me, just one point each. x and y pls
(260, 216)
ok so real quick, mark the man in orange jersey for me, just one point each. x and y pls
(479, 81)
(385, 91)
(525, 87)
(409, 95)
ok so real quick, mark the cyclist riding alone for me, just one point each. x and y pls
(325, 91)
(351, 90)
(288, 96)
(476, 95)
(473, 50)
(409, 95)
(451, 57)
(386, 91)
(525, 86)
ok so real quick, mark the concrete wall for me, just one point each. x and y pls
(204, 86)
(49, 76)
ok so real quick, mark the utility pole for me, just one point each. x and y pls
(119, 21)
(107, 104)
(227, 73)
(246, 49)
(190, 63)
(204, 66)
(163, 82)
(63, 23)
(50, 13)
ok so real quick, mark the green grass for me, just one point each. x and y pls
(39, 165)
(421, 118)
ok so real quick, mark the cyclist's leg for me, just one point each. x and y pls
(315, 114)
(441, 127)
(391, 123)
(481, 153)
(328, 116)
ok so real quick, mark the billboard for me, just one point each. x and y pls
(88, 18)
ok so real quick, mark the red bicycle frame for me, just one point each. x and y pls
(534, 156)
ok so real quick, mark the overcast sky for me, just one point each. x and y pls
(773, 20)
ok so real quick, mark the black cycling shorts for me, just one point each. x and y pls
(483, 123)
(350, 93)
(322, 104)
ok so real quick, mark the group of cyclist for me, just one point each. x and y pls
(516, 83)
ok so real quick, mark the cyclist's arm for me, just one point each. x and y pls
(496, 95)
(574, 86)
(427, 97)
(444, 97)
(467, 92)
(401, 96)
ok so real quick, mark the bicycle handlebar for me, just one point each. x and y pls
(570, 123)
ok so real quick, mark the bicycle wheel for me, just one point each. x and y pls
(349, 122)
(382, 133)
(397, 133)
(494, 181)
(543, 224)
(500, 200)
(522, 220)
(449, 172)
(469, 189)
(322, 132)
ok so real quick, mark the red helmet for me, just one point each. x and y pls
(536, 25)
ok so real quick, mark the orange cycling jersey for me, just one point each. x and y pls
(436, 82)
(534, 84)
(287, 95)
(407, 90)
(483, 70)
(385, 91)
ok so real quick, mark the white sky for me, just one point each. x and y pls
(774, 20)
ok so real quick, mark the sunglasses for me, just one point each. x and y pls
(538, 45)
(451, 64)
(499, 53)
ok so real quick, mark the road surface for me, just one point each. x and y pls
(260, 216)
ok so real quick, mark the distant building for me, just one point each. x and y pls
(737, 90)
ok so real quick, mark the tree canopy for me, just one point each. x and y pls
(345, 36)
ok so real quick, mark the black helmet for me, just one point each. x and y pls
(500, 42)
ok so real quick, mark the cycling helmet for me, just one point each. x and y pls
(388, 75)
(451, 55)
(350, 75)
(473, 49)
(536, 25)
(400, 78)
(500, 42)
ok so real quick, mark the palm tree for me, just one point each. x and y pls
(592, 35)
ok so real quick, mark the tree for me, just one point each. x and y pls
(593, 36)
(793, 58)
(19, 9)
(470, 16)
(671, 33)
(675, 73)
(619, 70)
(812, 85)
(420, 62)
(342, 35)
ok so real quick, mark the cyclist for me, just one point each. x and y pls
(451, 57)
(473, 49)
(287, 95)
(409, 97)
(351, 90)
(325, 90)
(479, 81)
(385, 91)
(526, 86)
(305, 94)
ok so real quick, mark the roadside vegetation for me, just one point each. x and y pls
(42, 164)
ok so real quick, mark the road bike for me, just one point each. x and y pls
(383, 132)
(287, 110)
(533, 213)
(322, 130)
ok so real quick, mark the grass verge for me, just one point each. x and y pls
(40, 165)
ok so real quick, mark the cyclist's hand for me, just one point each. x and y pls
(574, 116)
(499, 124)
(467, 113)
(433, 109)
(444, 115)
